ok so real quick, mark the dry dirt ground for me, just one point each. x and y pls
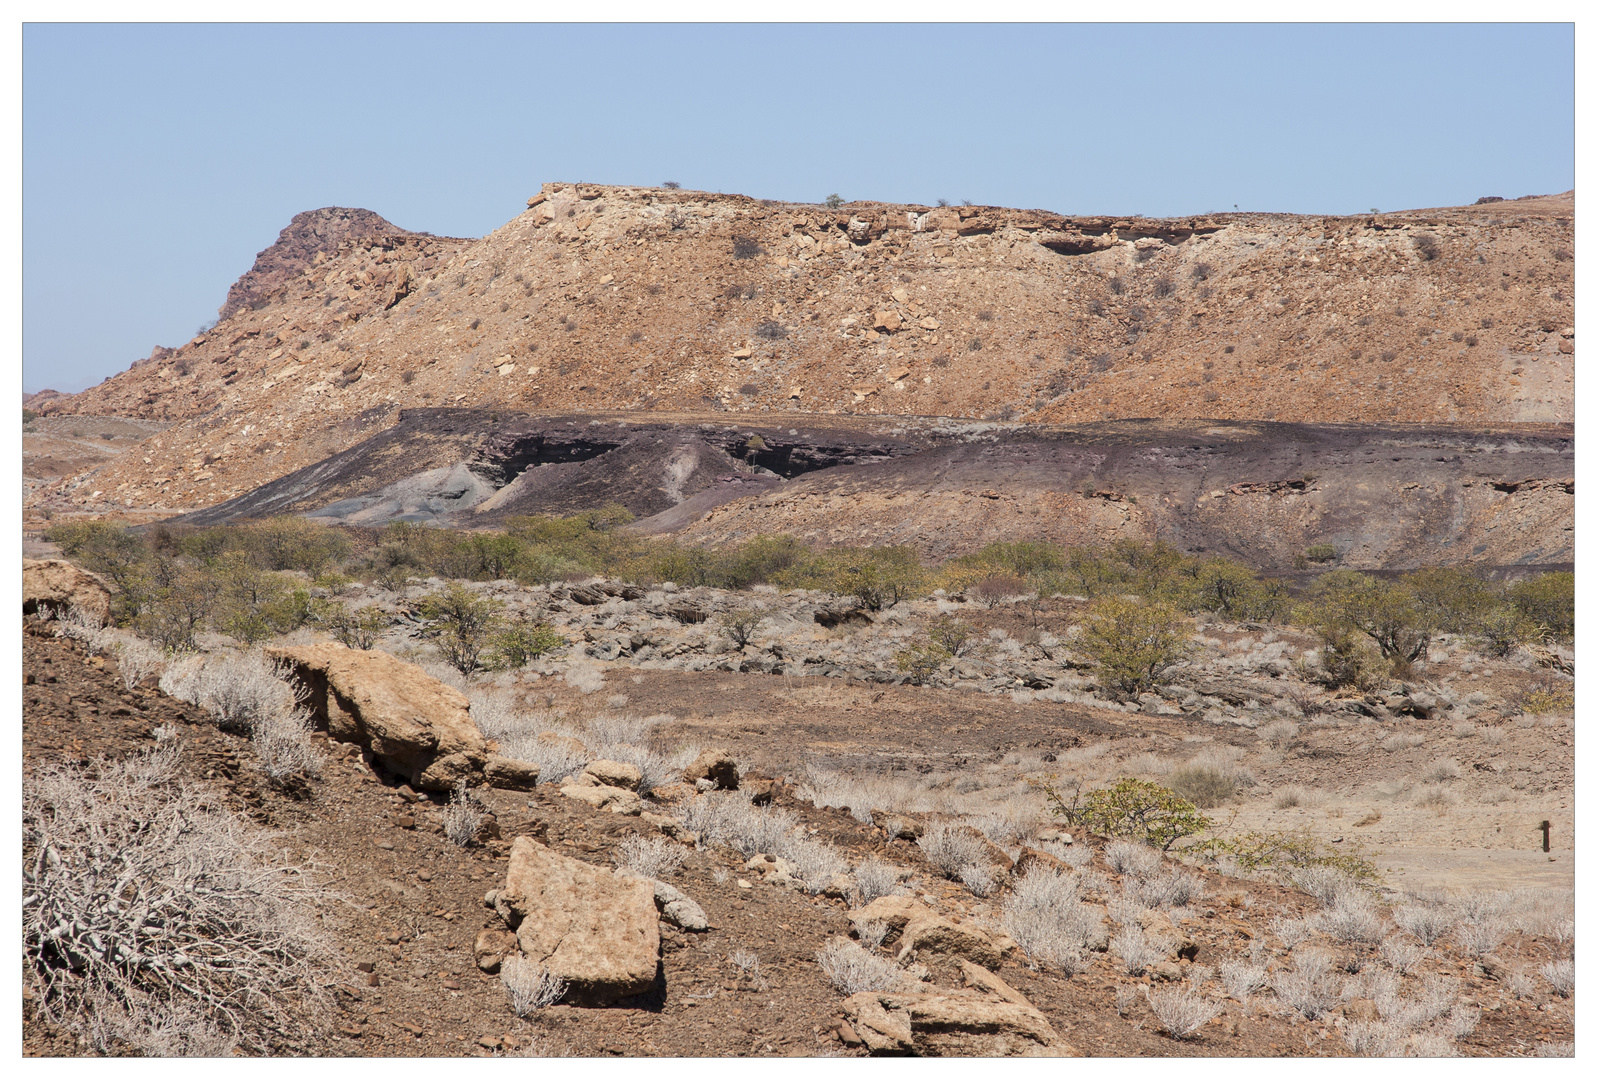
(415, 901)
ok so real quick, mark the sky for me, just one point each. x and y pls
(158, 159)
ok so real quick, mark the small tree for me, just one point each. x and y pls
(1398, 624)
(1130, 808)
(920, 662)
(464, 623)
(955, 635)
(834, 200)
(739, 624)
(1133, 642)
(356, 629)
(515, 645)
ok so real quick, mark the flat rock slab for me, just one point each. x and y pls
(952, 1023)
(598, 931)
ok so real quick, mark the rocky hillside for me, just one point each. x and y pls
(647, 299)
(310, 239)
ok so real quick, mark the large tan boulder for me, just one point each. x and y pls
(55, 586)
(952, 1023)
(413, 724)
(598, 931)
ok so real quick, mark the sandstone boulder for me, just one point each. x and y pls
(715, 765)
(55, 586)
(951, 1023)
(413, 724)
(605, 773)
(603, 797)
(598, 931)
(676, 907)
(510, 774)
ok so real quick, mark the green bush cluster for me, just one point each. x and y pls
(1370, 627)
(1129, 808)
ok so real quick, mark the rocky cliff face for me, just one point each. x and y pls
(310, 239)
(643, 299)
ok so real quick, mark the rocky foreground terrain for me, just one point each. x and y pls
(784, 848)
(645, 299)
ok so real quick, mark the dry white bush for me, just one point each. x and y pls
(1326, 884)
(1520, 986)
(144, 905)
(1243, 979)
(1555, 1050)
(1137, 860)
(1352, 918)
(1173, 888)
(584, 676)
(978, 879)
(873, 879)
(1310, 987)
(872, 934)
(1293, 796)
(1076, 856)
(1429, 1045)
(462, 817)
(1493, 736)
(854, 971)
(952, 848)
(1181, 1012)
(282, 743)
(1484, 905)
(652, 857)
(137, 660)
(529, 986)
(1291, 932)
(1434, 797)
(1425, 921)
(237, 689)
(1402, 955)
(1560, 975)
(731, 819)
(1045, 916)
(1372, 1038)
(1137, 951)
(1280, 734)
(1401, 741)
(1478, 938)
(1442, 769)
(1548, 913)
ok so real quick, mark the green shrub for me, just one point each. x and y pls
(1547, 600)
(516, 645)
(1288, 852)
(1453, 600)
(1391, 615)
(956, 636)
(463, 622)
(1130, 808)
(1133, 642)
(1321, 553)
(921, 662)
(357, 629)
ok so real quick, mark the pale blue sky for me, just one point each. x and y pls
(157, 160)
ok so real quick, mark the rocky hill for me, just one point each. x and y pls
(645, 299)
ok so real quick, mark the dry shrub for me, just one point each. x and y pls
(1205, 786)
(951, 849)
(654, 857)
(147, 908)
(1181, 1012)
(529, 986)
(853, 970)
(1045, 916)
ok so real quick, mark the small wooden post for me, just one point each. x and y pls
(1547, 835)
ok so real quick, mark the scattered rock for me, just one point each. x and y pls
(598, 931)
(413, 724)
(603, 797)
(491, 948)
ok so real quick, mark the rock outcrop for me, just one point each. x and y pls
(55, 586)
(593, 928)
(414, 725)
(715, 765)
(952, 1023)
